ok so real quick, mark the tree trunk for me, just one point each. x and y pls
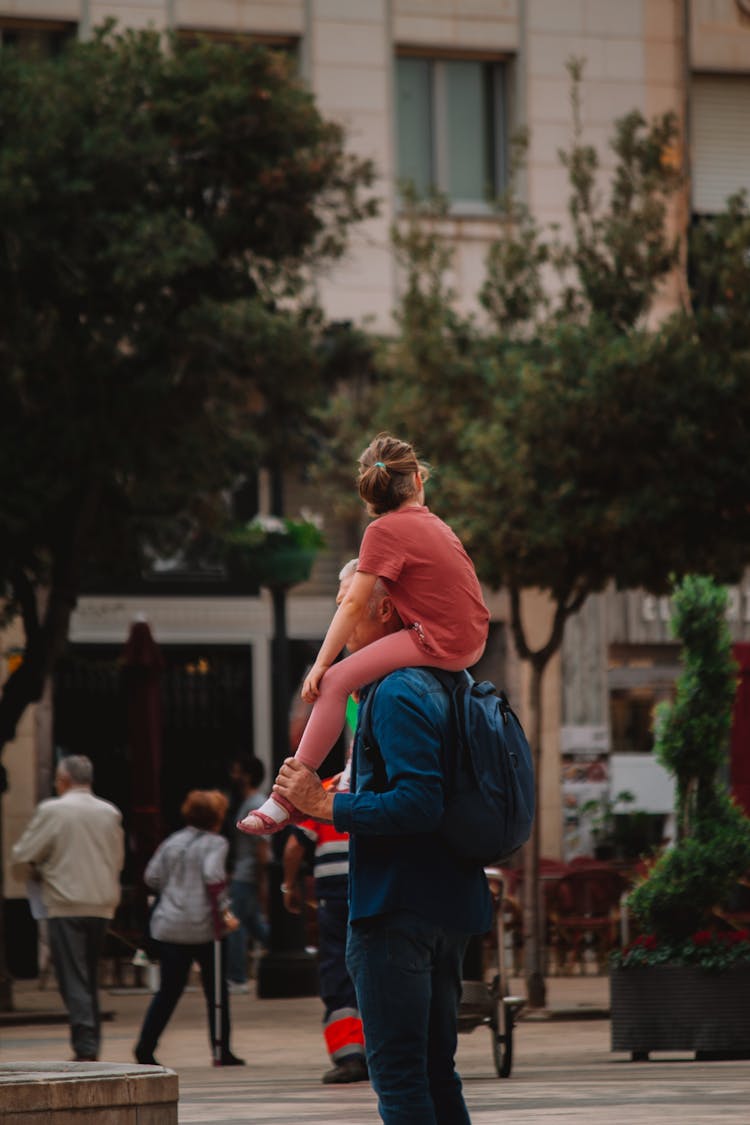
(565, 603)
(533, 914)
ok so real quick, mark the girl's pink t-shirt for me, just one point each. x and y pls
(430, 577)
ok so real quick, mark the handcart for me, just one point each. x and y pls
(486, 1004)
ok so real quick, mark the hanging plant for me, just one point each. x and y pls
(274, 551)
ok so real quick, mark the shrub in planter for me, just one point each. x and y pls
(675, 904)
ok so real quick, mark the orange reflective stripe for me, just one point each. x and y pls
(342, 1033)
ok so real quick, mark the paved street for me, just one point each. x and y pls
(564, 1071)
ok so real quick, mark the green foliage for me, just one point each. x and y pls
(345, 423)
(712, 850)
(267, 532)
(161, 205)
(585, 456)
(696, 875)
(692, 732)
(574, 445)
(156, 205)
(720, 277)
(618, 251)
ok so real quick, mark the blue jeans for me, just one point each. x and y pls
(407, 973)
(244, 899)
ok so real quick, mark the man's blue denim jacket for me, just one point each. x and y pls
(397, 859)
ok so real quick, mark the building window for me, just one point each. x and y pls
(639, 678)
(287, 45)
(719, 139)
(42, 38)
(451, 120)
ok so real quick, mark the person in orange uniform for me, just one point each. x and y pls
(342, 1025)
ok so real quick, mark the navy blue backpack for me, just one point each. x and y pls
(490, 792)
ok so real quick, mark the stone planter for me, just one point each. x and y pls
(68, 1093)
(681, 1008)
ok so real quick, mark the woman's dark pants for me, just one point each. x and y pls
(176, 961)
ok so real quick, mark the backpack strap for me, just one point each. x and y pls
(455, 684)
(368, 742)
(451, 682)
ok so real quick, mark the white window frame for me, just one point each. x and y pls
(438, 122)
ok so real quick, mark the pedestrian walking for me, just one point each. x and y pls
(248, 887)
(188, 873)
(74, 845)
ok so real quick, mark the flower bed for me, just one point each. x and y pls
(710, 949)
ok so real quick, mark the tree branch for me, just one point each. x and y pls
(564, 608)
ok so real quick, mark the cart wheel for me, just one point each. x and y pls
(501, 1028)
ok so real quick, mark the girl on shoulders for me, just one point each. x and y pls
(434, 587)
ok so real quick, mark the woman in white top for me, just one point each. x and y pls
(188, 872)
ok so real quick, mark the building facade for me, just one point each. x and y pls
(432, 91)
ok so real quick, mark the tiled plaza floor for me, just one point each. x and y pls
(564, 1071)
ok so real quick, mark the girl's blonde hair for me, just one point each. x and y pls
(386, 474)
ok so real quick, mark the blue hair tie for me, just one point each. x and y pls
(380, 464)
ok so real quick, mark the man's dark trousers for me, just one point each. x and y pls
(407, 972)
(75, 946)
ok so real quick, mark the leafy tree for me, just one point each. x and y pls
(161, 207)
(574, 445)
(712, 850)
(718, 271)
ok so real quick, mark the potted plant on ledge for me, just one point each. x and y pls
(599, 815)
(684, 983)
(273, 551)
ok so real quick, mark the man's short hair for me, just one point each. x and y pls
(348, 569)
(78, 767)
(379, 591)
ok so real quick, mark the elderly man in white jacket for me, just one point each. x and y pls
(75, 844)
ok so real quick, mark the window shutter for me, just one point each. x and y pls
(720, 140)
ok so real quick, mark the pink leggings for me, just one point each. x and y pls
(398, 650)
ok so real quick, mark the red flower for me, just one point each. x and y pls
(647, 941)
(735, 937)
(703, 937)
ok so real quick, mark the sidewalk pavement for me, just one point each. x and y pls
(563, 1070)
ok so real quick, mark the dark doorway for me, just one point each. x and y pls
(207, 711)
